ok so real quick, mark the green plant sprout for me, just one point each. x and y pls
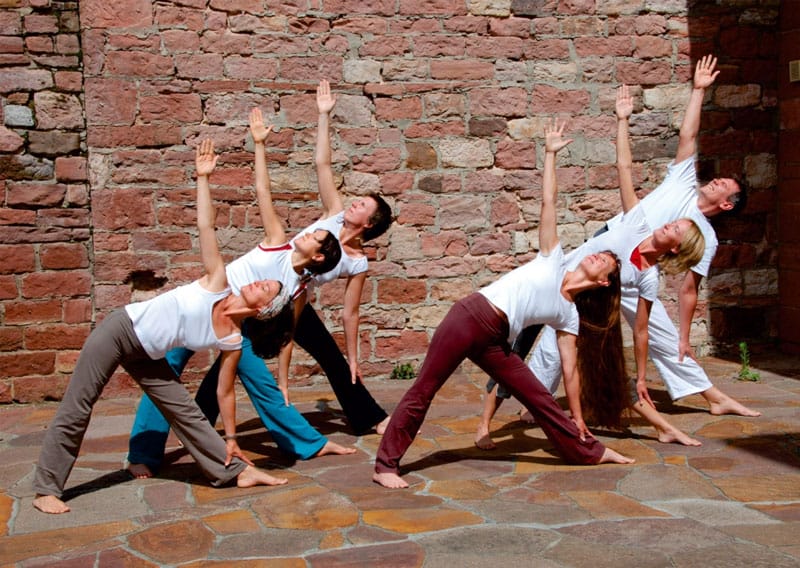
(746, 373)
(403, 372)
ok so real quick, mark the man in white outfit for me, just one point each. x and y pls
(679, 196)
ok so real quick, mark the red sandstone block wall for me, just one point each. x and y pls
(440, 107)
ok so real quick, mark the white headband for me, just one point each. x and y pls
(276, 305)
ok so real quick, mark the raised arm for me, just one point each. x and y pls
(274, 232)
(331, 200)
(554, 141)
(214, 279)
(704, 76)
(624, 109)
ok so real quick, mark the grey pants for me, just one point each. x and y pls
(111, 344)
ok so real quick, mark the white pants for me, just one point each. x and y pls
(681, 378)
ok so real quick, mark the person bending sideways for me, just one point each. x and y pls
(481, 327)
(199, 315)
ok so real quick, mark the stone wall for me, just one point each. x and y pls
(440, 107)
(789, 184)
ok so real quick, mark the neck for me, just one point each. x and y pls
(649, 252)
(705, 207)
(351, 236)
(299, 263)
(574, 283)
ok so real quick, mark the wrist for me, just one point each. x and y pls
(229, 437)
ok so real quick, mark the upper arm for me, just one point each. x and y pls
(352, 293)
(568, 350)
(691, 283)
(643, 308)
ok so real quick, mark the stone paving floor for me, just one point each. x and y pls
(735, 501)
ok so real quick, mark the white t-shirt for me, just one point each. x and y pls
(179, 318)
(622, 239)
(348, 265)
(532, 294)
(263, 263)
(675, 198)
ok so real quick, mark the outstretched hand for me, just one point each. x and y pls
(624, 105)
(232, 450)
(205, 159)
(704, 74)
(553, 137)
(325, 100)
(258, 129)
(643, 394)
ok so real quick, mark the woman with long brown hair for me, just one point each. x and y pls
(481, 326)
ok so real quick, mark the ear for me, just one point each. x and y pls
(317, 258)
(726, 205)
(604, 282)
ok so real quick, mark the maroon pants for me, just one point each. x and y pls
(473, 330)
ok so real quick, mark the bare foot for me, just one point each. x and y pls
(380, 427)
(483, 440)
(251, 476)
(610, 456)
(390, 480)
(527, 417)
(335, 449)
(729, 406)
(50, 504)
(676, 436)
(139, 471)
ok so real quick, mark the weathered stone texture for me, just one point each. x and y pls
(441, 109)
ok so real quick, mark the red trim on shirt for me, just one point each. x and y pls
(636, 258)
(284, 246)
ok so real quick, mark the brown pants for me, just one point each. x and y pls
(111, 344)
(472, 329)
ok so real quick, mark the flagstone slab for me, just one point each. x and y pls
(662, 482)
(462, 489)
(42, 542)
(362, 535)
(165, 496)
(122, 558)
(373, 496)
(412, 521)
(488, 543)
(588, 478)
(249, 563)
(761, 488)
(714, 513)
(785, 513)
(575, 552)
(775, 535)
(542, 514)
(6, 509)
(734, 555)
(306, 508)
(607, 505)
(174, 543)
(270, 543)
(667, 536)
(90, 508)
(232, 522)
(394, 555)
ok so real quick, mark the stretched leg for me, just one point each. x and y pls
(495, 395)
(682, 378)
(290, 430)
(667, 433)
(491, 403)
(361, 410)
(103, 351)
(150, 428)
(509, 370)
(453, 340)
